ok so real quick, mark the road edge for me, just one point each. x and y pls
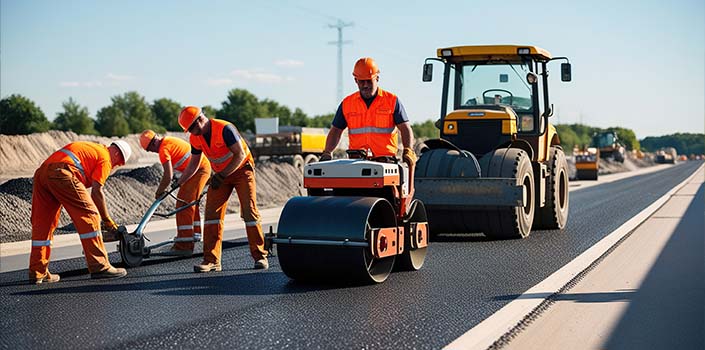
(511, 316)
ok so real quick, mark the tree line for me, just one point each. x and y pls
(131, 113)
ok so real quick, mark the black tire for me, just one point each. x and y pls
(511, 222)
(554, 215)
(443, 162)
(311, 158)
(298, 162)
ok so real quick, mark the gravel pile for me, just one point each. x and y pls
(130, 192)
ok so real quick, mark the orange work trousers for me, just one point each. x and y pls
(243, 181)
(188, 221)
(56, 185)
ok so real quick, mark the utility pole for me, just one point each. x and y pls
(340, 25)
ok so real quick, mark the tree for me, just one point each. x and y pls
(209, 111)
(321, 121)
(20, 116)
(111, 121)
(166, 113)
(75, 118)
(684, 143)
(241, 108)
(137, 112)
(426, 129)
(275, 110)
(626, 137)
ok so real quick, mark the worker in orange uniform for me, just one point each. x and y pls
(233, 167)
(174, 155)
(372, 116)
(62, 180)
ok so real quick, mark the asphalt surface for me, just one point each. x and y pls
(163, 304)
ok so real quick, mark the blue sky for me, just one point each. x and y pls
(636, 64)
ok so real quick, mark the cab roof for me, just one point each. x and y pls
(492, 52)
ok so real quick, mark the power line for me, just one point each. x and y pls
(340, 25)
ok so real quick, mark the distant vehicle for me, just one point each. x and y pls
(295, 144)
(666, 155)
(609, 146)
(586, 163)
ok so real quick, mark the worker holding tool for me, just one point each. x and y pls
(233, 167)
(174, 155)
(62, 180)
(373, 117)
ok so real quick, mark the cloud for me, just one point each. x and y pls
(219, 82)
(76, 84)
(289, 63)
(115, 77)
(259, 76)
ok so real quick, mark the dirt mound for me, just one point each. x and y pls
(129, 192)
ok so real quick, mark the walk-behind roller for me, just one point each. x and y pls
(132, 245)
(358, 223)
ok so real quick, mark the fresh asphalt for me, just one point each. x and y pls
(163, 304)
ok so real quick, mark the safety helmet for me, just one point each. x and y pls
(187, 116)
(124, 148)
(146, 138)
(365, 69)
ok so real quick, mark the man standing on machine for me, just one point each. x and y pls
(62, 181)
(373, 116)
(174, 155)
(233, 168)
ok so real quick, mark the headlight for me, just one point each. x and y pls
(446, 52)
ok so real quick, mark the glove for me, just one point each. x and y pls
(110, 230)
(216, 181)
(325, 156)
(409, 157)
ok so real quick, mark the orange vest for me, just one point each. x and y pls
(91, 159)
(372, 128)
(177, 151)
(218, 152)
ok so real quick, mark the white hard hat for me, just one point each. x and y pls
(124, 148)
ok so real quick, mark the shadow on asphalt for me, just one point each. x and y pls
(215, 283)
(624, 295)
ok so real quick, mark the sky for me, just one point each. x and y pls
(636, 64)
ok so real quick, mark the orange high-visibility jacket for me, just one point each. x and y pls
(218, 152)
(91, 159)
(177, 151)
(372, 127)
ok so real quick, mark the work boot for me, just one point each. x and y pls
(261, 264)
(111, 272)
(48, 278)
(207, 267)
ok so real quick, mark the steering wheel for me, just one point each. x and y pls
(511, 96)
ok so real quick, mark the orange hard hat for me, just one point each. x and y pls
(146, 138)
(365, 69)
(187, 116)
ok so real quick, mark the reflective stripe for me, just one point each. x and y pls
(41, 243)
(184, 159)
(196, 236)
(183, 239)
(251, 223)
(211, 222)
(75, 160)
(370, 130)
(196, 223)
(222, 159)
(88, 235)
(185, 227)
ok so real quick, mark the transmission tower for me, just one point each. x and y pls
(340, 25)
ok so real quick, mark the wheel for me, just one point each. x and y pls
(311, 158)
(131, 249)
(415, 228)
(298, 162)
(511, 222)
(554, 215)
(331, 221)
(442, 162)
